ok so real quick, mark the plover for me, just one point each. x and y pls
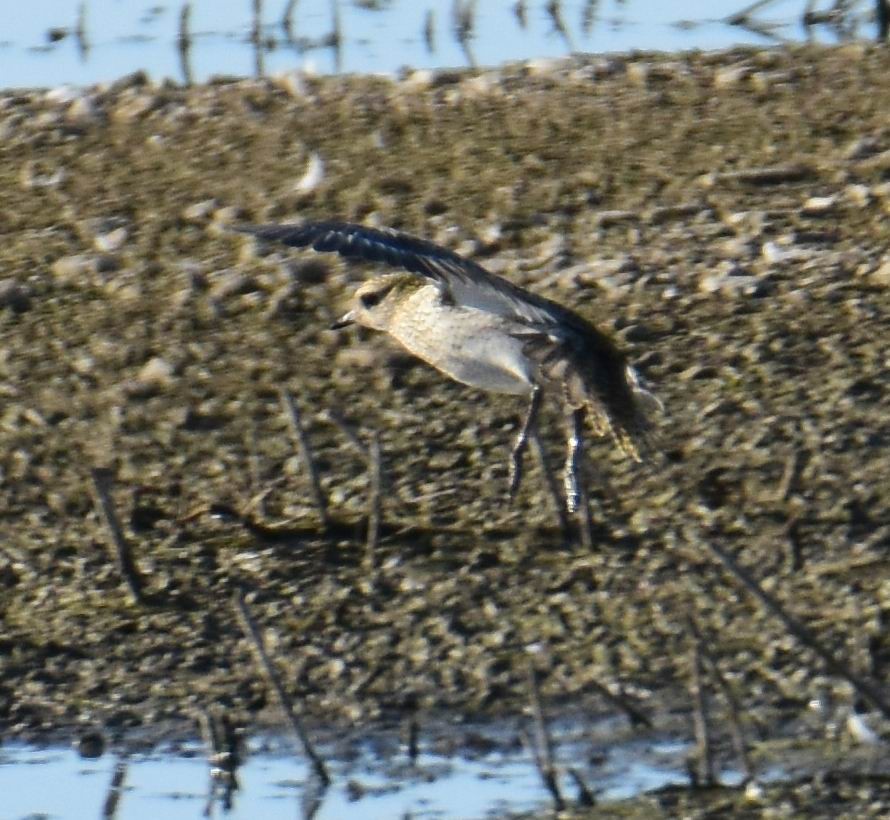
(486, 332)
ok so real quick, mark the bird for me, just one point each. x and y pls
(482, 330)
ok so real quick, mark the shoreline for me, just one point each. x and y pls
(725, 216)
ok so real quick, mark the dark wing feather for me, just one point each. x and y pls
(465, 282)
(568, 349)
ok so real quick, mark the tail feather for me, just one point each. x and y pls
(617, 405)
(593, 374)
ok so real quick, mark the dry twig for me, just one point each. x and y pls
(541, 741)
(305, 452)
(704, 754)
(115, 789)
(102, 482)
(264, 662)
(374, 502)
(867, 689)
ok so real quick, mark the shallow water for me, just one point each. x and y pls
(374, 781)
(121, 37)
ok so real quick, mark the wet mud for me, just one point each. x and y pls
(724, 216)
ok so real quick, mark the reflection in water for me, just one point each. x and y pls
(199, 38)
(374, 777)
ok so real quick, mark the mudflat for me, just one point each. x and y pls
(724, 215)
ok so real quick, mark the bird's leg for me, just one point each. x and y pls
(516, 454)
(575, 445)
(573, 477)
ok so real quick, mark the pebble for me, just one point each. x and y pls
(14, 295)
(110, 241)
(312, 177)
(199, 211)
(862, 148)
(227, 283)
(819, 205)
(859, 195)
(731, 76)
(881, 274)
(82, 112)
(32, 175)
(731, 284)
(293, 83)
(156, 371)
(133, 105)
(81, 269)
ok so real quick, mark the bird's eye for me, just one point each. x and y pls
(368, 300)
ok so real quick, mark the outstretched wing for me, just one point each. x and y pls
(567, 349)
(465, 282)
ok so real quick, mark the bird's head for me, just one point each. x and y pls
(376, 301)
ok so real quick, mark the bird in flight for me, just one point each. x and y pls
(482, 330)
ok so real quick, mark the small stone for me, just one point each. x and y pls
(739, 247)
(227, 283)
(732, 283)
(90, 745)
(419, 79)
(859, 195)
(765, 81)
(73, 270)
(228, 214)
(638, 73)
(730, 76)
(156, 371)
(33, 175)
(82, 112)
(154, 377)
(878, 163)
(542, 66)
(133, 105)
(606, 218)
(819, 205)
(312, 177)
(772, 253)
(482, 85)
(110, 241)
(199, 211)
(84, 364)
(293, 83)
(82, 270)
(135, 79)
(881, 274)
(862, 148)
(14, 295)
(359, 358)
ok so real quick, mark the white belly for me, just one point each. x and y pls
(472, 346)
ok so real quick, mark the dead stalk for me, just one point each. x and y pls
(867, 689)
(264, 662)
(701, 722)
(375, 471)
(541, 741)
(102, 482)
(739, 741)
(304, 450)
(634, 715)
(115, 789)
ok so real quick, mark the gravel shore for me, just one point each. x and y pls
(726, 216)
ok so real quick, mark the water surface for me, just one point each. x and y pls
(114, 37)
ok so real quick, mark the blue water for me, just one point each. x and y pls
(125, 35)
(57, 784)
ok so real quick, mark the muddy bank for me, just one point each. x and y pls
(726, 216)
